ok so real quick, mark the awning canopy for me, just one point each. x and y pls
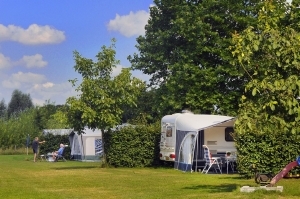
(193, 122)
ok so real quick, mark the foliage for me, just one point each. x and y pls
(19, 102)
(146, 107)
(52, 144)
(267, 152)
(44, 114)
(267, 127)
(14, 131)
(58, 120)
(101, 97)
(133, 146)
(184, 50)
(3, 108)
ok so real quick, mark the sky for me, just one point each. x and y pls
(38, 38)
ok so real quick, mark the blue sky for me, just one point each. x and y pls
(37, 40)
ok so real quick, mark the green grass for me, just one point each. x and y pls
(20, 177)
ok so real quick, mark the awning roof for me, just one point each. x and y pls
(196, 122)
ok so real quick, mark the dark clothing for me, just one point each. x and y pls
(35, 146)
(35, 150)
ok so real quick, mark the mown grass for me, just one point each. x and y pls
(20, 177)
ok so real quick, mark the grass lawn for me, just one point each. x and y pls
(22, 178)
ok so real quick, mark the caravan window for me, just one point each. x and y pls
(169, 131)
(228, 134)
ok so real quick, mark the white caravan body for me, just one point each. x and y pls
(183, 134)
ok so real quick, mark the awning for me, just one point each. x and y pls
(191, 122)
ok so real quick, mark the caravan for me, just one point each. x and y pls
(184, 134)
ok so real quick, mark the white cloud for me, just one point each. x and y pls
(48, 85)
(30, 61)
(4, 62)
(130, 25)
(33, 35)
(19, 79)
(11, 84)
(33, 61)
(57, 93)
(39, 88)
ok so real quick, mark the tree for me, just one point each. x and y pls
(19, 102)
(146, 107)
(14, 130)
(58, 120)
(3, 108)
(43, 114)
(269, 109)
(101, 96)
(185, 50)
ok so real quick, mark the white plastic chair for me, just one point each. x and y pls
(211, 162)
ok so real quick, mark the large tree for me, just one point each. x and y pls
(19, 102)
(44, 113)
(146, 108)
(185, 51)
(3, 108)
(267, 128)
(101, 96)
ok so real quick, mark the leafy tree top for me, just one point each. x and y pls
(101, 96)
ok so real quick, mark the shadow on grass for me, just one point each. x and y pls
(76, 167)
(215, 188)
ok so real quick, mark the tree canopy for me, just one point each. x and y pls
(269, 112)
(101, 97)
(3, 108)
(185, 51)
(19, 102)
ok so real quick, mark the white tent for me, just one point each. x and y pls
(195, 130)
(86, 146)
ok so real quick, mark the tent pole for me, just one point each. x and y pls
(196, 151)
(82, 151)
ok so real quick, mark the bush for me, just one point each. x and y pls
(268, 152)
(133, 146)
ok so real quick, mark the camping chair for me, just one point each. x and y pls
(61, 156)
(211, 162)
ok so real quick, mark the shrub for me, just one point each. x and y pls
(133, 146)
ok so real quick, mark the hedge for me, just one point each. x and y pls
(133, 146)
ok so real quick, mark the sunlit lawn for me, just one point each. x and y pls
(20, 177)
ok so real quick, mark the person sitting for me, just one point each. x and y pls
(59, 152)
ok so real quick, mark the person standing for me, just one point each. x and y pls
(35, 147)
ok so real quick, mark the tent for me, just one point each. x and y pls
(195, 130)
(86, 146)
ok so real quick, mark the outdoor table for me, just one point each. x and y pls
(230, 160)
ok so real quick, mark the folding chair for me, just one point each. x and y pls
(211, 162)
(61, 156)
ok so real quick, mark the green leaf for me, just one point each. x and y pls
(249, 125)
(254, 92)
(272, 107)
